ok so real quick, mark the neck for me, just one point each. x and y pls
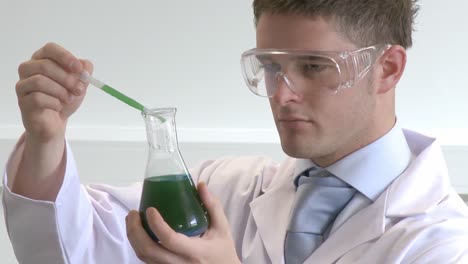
(377, 132)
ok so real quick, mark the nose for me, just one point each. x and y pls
(284, 91)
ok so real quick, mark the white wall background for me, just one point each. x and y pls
(186, 54)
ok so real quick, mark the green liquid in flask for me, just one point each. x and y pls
(177, 200)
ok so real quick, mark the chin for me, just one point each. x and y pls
(300, 143)
(296, 149)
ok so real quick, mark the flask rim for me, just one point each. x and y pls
(159, 111)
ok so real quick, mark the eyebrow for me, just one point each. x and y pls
(268, 58)
(307, 58)
(263, 57)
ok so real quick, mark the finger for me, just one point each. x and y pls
(87, 66)
(42, 84)
(53, 71)
(36, 100)
(60, 55)
(218, 220)
(146, 249)
(173, 241)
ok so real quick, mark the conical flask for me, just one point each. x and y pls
(168, 186)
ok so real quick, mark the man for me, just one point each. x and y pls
(358, 188)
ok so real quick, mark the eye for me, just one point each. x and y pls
(313, 68)
(272, 67)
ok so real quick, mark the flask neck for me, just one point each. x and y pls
(161, 130)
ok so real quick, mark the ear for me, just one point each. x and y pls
(392, 65)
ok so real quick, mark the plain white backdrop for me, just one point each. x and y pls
(186, 54)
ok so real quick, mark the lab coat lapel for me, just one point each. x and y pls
(271, 213)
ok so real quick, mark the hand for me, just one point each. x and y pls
(214, 246)
(49, 91)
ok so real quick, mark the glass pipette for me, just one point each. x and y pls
(86, 77)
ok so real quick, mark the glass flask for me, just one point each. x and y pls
(168, 186)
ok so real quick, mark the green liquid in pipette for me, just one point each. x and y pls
(122, 97)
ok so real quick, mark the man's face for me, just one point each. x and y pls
(323, 127)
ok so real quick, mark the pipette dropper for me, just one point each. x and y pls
(86, 77)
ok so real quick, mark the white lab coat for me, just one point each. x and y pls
(418, 219)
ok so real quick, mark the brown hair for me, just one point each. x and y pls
(364, 22)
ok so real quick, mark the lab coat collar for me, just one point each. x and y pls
(427, 171)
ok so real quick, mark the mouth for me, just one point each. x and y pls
(294, 123)
(293, 119)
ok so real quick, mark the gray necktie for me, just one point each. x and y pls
(320, 197)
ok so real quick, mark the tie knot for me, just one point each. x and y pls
(316, 172)
(318, 177)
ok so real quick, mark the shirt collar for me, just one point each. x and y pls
(372, 168)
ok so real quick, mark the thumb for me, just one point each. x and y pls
(218, 220)
(88, 67)
(71, 108)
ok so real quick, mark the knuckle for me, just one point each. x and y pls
(64, 97)
(22, 68)
(36, 98)
(19, 87)
(70, 81)
(140, 255)
(167, 259)
(49, 45)
(195, 259)
(146, 250)
(38, 80)
(43, 66)
(169, 240)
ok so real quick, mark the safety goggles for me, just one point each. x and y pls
(321, 71)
